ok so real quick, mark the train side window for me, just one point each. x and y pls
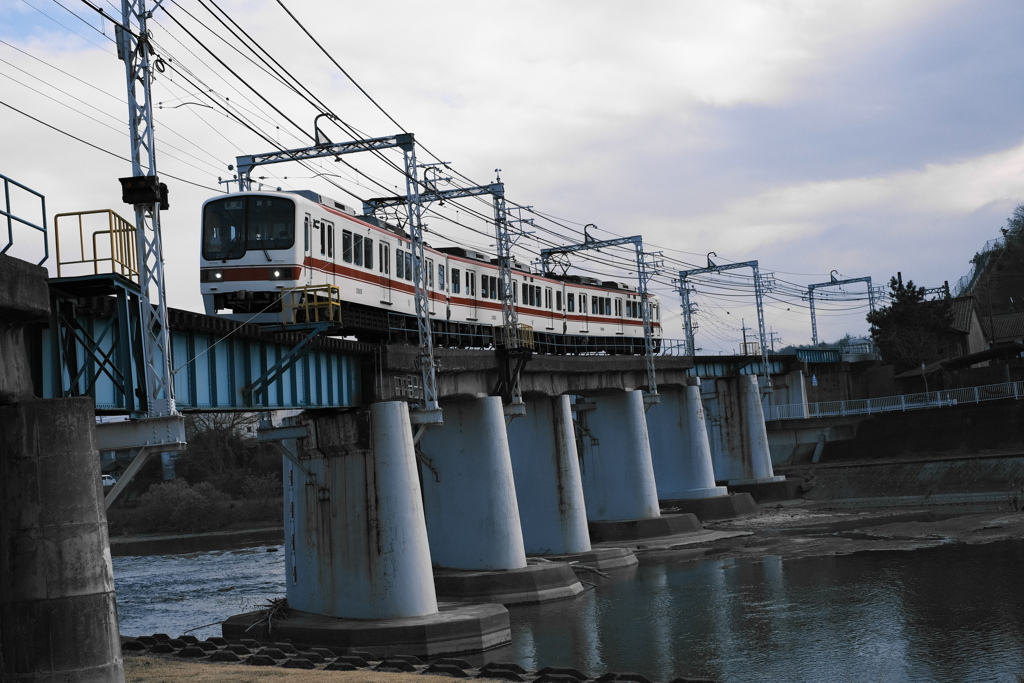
(430, 273)
(570, 302)
(357, 250)
(368, 252)
(346, 246)
(323, 235)
(583, 303)
(558, 300)
(494, 287)
(330, 239)
(305, 235)
(526, 297)
(607, 305)
(408, 265)
(618, 308)
(485, 291)
(399, 264)
(456, 280)
(547, 297)
(657, 313)
(385, 258)
(470, 283)
(440, 276)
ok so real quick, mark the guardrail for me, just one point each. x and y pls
(98, 241)
(869, 406)
(14, 220)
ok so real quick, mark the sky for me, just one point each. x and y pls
(822, 139)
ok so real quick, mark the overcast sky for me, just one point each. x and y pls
(862, 137)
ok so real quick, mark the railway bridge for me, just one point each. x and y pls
(384, 517)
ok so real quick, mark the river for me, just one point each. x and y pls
(951, 613)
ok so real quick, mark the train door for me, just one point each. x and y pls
(431, 302)
(560, 306)
(384, 271)
(332, 272)
(470, 291)
(307, 249)
(620, 322)
(442, 286)
(584, 313)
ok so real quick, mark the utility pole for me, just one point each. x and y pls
(144, 190)
(646, 269)
(833, 282)
(511, 346)
(759, 291)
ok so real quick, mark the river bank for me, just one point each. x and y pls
(180, 544)
(725, 607)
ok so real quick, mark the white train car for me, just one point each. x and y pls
(263, 253)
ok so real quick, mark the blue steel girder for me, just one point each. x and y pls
(707, 367)
(228, 370)
(94, 343)
(91, 348)
(261, 385)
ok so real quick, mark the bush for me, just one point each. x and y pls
(177, 506)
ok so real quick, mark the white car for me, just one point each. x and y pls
(108, 480)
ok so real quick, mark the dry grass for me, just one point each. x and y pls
(152, 669)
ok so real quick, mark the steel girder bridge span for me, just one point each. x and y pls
(89, 348)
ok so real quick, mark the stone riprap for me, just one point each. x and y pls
(296, 656)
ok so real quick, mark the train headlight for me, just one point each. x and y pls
(280, 274)
(211, 276)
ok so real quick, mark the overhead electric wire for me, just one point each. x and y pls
(96, 147)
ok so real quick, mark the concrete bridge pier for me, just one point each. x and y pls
(58, 617)
(739, 439)
(549, 490)
(617, 472)
(357, 559)
(469, 494)
(681, 454)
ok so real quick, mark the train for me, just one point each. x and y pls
(285, 257)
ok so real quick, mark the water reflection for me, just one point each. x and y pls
(950, 613)
(953, 613)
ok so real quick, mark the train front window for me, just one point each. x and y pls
(223, 229)
(234, 225)
(271, 222)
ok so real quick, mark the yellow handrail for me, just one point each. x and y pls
(312, 303)
(524, 337)
(118, 246)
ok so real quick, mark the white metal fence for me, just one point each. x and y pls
(868, 406)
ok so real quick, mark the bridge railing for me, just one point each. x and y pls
(13, 220)
(312, 304)
(929, 399)
(96, 242)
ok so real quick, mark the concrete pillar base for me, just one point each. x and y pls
(651, 527)
(691, 494)
(754, 481)
(601, 559)
(454, 629)
(535, 583)
(772, 491)
(719, 507)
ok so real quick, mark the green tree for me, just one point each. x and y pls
(909, 331)
(1014, 230)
